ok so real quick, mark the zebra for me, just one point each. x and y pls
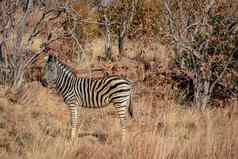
(88, 92)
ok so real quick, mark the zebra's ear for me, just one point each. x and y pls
(51, 58)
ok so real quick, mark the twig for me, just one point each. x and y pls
(78, 43)
(21, 30)
(39, 52)
(86, 20)
(35, 32)
(33, 58)
(125, 24)
(210, 5)
(223, 71)
(172, 23)
(18, 73)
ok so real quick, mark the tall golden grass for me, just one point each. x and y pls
(38, 127)
(161, 129)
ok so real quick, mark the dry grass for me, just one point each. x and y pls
(38, 127)
(161, 129)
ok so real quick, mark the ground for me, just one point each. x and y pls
(38, 128)
(34, 123)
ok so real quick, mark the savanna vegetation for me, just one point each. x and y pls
(181, 55)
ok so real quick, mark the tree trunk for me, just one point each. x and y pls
(201, 93)
(108, 46)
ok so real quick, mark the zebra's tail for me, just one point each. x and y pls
(130, 108)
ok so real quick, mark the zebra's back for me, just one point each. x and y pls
(95, 93)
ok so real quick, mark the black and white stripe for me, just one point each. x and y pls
(88, 93)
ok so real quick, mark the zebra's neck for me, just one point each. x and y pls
(65, 79)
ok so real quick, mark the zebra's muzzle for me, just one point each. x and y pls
(44, 82)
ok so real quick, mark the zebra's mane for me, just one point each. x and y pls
(72, 71)
(66, 67)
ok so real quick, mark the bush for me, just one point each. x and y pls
(205, 42)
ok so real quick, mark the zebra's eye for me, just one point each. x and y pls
(51, 69)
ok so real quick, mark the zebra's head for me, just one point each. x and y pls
(49, 72)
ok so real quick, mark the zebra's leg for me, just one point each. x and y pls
(74, 119)
(122, 110)
(78, 116)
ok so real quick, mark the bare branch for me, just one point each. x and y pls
(21, 30)
(34, 57)
(35, 30)
(172, 24)
(18, 74)
(223, 71)
(78, 43)
(210, 5)
(125, 24)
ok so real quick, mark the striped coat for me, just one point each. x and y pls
(89, 93)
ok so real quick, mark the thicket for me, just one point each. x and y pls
(203, 35)
(205, 41)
